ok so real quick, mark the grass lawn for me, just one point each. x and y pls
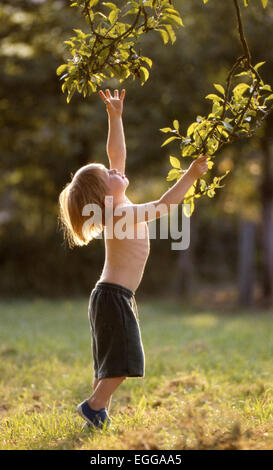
(208, 382)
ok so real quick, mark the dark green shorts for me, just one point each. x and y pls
(116, 338)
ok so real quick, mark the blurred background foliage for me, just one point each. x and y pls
(44, 140)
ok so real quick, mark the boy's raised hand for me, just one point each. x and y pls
(114, 104)
(199, 166)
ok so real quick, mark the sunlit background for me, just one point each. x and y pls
(44, 140)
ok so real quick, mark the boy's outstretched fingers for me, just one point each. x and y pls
(102, 95)
(108, 94)
(122, 95)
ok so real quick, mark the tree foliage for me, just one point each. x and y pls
(109, 50)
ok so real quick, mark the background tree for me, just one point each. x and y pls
(43, 140)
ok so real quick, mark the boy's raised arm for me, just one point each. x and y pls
(116, 147)
(154, 209)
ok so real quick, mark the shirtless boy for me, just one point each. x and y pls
(116, 338)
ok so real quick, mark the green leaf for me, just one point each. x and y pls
(173, 19)
(171, 11)
(203, 184)
(64, 87)
(222, 131)
(61, 69)
(71, 93)
(147, 60)
(113, 16)
(166, 129)
(171, 32)
(170, 139)
(92, 87)
(69, 43)
(188, 151)
(164, 35)
(192, 205)
(110, 5)
(219, 88)
(173, 174)
(214, 97)
(217, 109)
(266, 88)
(176, 124)
(189, 207)
(80, 33)
(144, 75)
(175, 162)
(257, 66)
(191, 128)
(242, 73)
(240, 89)
(264, 3)
(133, 11)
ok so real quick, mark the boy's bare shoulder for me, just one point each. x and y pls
(118, 213)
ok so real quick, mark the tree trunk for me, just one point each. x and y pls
(185, 273)
(267, 247)
(267, 215)
(246, 262)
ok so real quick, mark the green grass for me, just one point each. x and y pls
(208, 382)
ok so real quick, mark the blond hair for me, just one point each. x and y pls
(87, 187)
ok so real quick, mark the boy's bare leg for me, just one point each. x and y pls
(103, 392)
(107, 406)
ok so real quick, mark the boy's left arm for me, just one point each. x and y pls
(116, 147)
